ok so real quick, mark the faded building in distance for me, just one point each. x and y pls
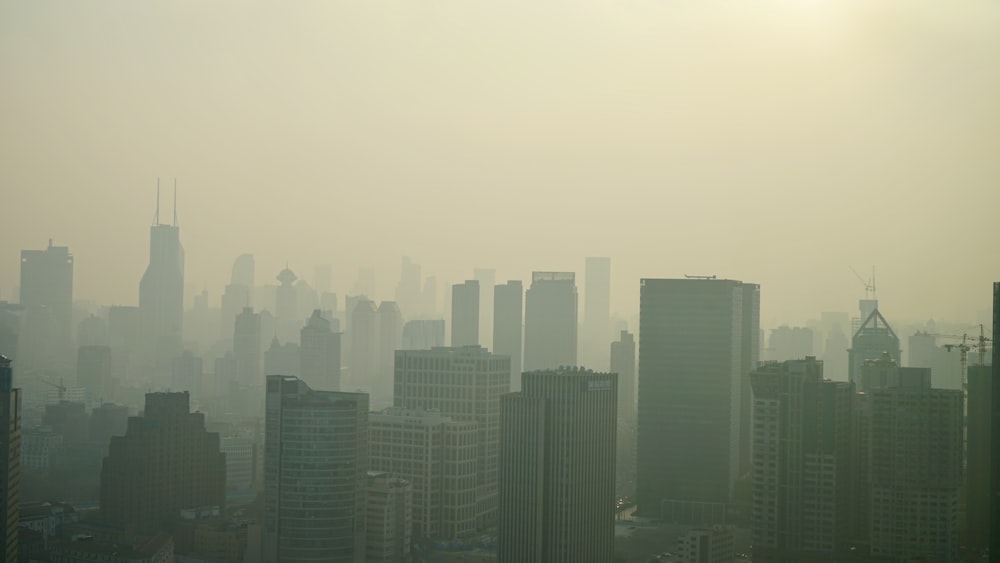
(550, 321)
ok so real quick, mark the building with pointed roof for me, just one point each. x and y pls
(873, 337)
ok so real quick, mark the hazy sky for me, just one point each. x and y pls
(777, 141)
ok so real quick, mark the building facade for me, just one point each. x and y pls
(550, 321)
(319, 347)
(696, 349)
(465, 384)
(47, 301)
(315, 474)
(166, 461)
(557, 468)
(390, 518)
(437, 456)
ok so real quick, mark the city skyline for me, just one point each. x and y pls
(719, 139)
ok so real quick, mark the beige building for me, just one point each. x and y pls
(389, 525)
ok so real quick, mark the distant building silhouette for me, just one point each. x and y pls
(550, 321)
(872, 337)
(93, 371)
(595, 333)
(47, 302)
(246, 347)
(10, 452)
(188, 373)
(315, 473)
(437, 454)
(465, 314)
(123, 334)
(408, 290)
(423, 334)
(166, 461)
(282, 359)
(802, 459)
(698, 343)
(789, 343)
(390, 339)
(557, 469)
(287, 306)
(508, 326)
(487, 278)
(161, 295)
(320, 354)
(364, 344)
(465, 384)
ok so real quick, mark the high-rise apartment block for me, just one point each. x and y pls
(508, 326)
(319, 350)
(10, 468)
(915, 468)
(465, 384)
(315, 473)
(557, 468)
(801, 474)
(550, 321)
(437, 455)
(166, 461)
(465, 314)
(697, 347)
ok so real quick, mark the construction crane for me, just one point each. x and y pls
(59, 386)
(964, 347)
(869, 283)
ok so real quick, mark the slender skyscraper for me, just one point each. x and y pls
(550, 317)
(10, 453)
(161, 294)
(315, 474)
(557, 468)
(465, 314)
(47, 301)
(286, 305)
(508, 326)
(691, 389)
(320, 353)
(487, 280)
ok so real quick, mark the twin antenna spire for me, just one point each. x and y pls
(156, 218)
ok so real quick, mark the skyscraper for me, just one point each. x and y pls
(408, 289)
(287, 306)
(550, 313)
(508, 326)
(389, 518)
(320, 354)
(557, 469)
(390, 339)
(994, 524)
(166, 461)
(623, 364)
(364, 344)
(977, 504)
(10, 452)
(802, 455)
(315, 473)
(915, 468)
(465, 314)
(246, 347)
(47, 301)
(692, 371)
(465, 384)
(873, 337)
(161, 295)
(596, 330)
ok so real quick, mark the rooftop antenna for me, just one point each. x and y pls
(175, 202)
(156, 218)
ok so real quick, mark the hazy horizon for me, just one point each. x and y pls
(780, 143)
